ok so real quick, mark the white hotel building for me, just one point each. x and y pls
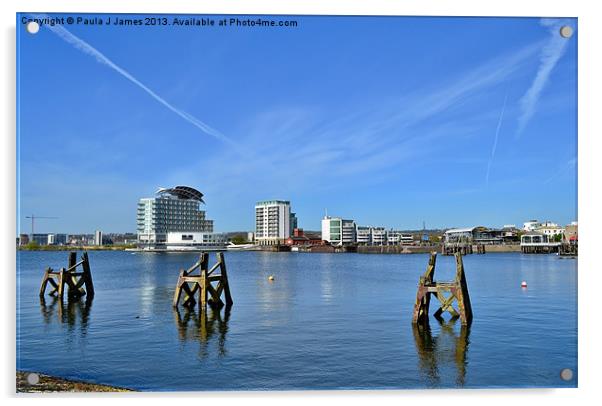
(173, 221)
(273, 220)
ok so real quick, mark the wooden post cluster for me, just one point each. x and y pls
(78, 283)
(190, 283)
(458, 292)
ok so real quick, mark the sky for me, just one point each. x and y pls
(390, 121)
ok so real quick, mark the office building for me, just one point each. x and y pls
(272, 222)
(338, 231)
(173, 220)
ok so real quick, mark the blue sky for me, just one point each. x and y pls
(390, 121)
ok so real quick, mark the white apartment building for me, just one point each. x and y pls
(338, 231)
(363, 235)
(407, 239)
(378, 236)
(272, 222)
(393, 237)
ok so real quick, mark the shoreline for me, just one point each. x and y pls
(387, 250)
(49, 383)
(76, 248)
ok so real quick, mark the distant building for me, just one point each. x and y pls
(173, 210)
(571, 233)
(57, 239)
(550, 229)
(23, 239)
(378, 236)
(476, 235)
(406, 239)
(531, 225)
(98, 237)
(299, 238)
(251, 236)
(293, 222)
(338, 231)
(185, 241)
(394, 237)
(40, 239)
(363, 235)
(272, 222)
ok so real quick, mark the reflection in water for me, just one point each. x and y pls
(70, 312)
(202, 325)
(436, 353)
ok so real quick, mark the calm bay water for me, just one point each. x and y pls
(327, 321)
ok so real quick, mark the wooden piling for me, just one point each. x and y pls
(446, 293)
(209, 284)
(78, 283)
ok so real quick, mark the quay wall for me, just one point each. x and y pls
(502, 248)
(397, 249)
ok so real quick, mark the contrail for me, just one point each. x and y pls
(550, 54)
(100, 57)
(497, 133)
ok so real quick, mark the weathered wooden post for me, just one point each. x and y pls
(74, 280)
(423, 297)
(190, 282)
(458, 290)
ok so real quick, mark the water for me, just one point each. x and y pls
(327, 321)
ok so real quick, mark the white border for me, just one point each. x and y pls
(590, 131)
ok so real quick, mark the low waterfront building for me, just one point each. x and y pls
(300, 238)
(272, 222)
(188, 241)
(338, 231)
(173, 210)
(536, 242)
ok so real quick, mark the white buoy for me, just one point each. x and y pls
(271, 277)
(523, 284)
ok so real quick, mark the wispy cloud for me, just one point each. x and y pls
(88, 49)
(497, 133)
(371, 143)
(568, 167)
(549, 57)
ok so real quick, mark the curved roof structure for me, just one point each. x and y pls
(182, 192)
